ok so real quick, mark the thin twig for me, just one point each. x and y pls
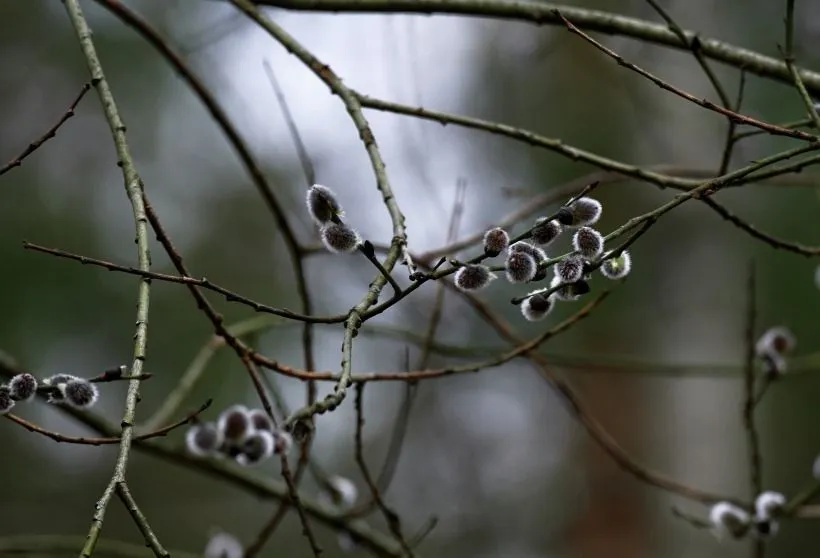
(198, 365)
(752, 436)
(57, 437)
(301, 151)
(694, 46)
(36, 144)
(229, 295)
(795, 74)
(392, 518)
(736, 116)
(151, 540)
(732, 139)
(64, 545)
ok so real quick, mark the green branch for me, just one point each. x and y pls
(133, 187)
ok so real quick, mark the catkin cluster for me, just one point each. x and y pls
(326, 211)
(526, 261)
(62, 389)
(247, 436)
(728, 519)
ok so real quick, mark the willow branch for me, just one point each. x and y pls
(133, 187)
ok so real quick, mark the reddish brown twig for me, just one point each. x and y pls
(229, 295)
(63, 438)
(773, 129)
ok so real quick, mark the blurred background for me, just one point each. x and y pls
(495, 456)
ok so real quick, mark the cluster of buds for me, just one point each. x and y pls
(62, 389)
(772, 348)
(728, 519)
(526, 261)
(247, 436)
(326, 211)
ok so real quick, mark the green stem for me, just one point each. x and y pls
(133, 187)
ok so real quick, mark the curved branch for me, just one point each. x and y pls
(544, 13)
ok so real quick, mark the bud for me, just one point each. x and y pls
(769, 504)
(58, 382)
(473, 277)
(23, 387)
(322, 205)
(588, 242)
(727, 518)
(301, 430)
(340, 238)
(570, 270)
(779, 340)
(223, 545)
(282, 442)
(569, 291)
(256, 447)
(537, 254)
(581, 212)
(495, 241)
(6, 401)
(617, 268)
(80, 393)
(235, 424)
(203, 439)
(260, 420)
(536, 307)
(772, 347)
(765, 529)
(520, 267)
(545, 232)
(340, 493)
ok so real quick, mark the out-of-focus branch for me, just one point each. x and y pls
(546, 13)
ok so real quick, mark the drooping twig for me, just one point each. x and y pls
(57, 437)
